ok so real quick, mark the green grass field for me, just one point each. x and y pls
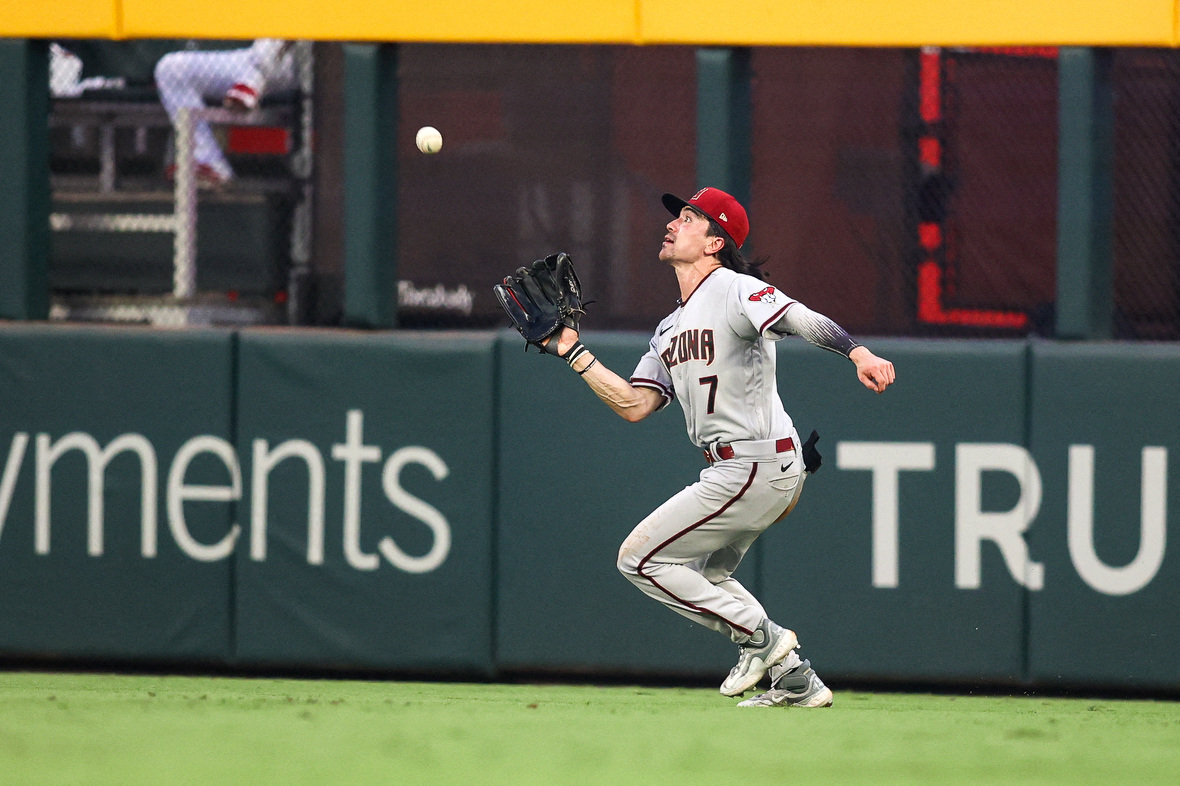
(118, 729)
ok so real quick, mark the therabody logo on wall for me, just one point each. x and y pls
(178, 492)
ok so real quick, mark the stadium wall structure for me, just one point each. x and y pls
(731, 22)
(445, 504)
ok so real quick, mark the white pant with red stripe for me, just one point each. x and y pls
(189, 78)
(685, 552)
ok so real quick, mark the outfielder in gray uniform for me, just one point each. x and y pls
(714, 354)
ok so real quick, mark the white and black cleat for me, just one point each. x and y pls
(769, 646)
(799, 687)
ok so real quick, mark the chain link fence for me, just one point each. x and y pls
(1147, 194)
(902, 192)
(180, 178)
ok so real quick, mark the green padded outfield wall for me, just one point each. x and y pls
(370, 465)
(93, 424)
(866, 568)
(575, 478)
(1106, 435)
(445, 504)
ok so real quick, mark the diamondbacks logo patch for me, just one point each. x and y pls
(767, 295)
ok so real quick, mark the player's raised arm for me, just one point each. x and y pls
(875, 373)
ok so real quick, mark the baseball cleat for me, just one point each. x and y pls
(242, 97)
(799, 687)
(754, 661)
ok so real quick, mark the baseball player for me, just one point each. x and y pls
(714, 354)
(236, 78)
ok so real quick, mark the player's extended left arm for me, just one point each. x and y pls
(875, 373)
(631, 403)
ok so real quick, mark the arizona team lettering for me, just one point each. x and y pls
(694, 344)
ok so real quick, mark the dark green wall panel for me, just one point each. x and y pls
(501, 489)
(818, 563)
(24, 178)
(1117, 399)
(169, 388)
(575, 478)
(426, 403)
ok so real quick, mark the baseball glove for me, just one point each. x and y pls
(541, 298)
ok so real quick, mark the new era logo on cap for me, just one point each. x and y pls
(717, 205)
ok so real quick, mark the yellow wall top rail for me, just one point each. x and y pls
(695, 22)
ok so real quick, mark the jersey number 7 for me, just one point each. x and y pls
(711, 381)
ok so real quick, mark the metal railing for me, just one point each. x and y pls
(183, 221)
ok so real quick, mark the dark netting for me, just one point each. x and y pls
(829, 177)
(900, 191)
(997, 181)
(1147, 194)
(545, 149)
(133, 122)
(929, 179)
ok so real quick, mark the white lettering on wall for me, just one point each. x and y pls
(973, 525)
(179, 492)
(96, 461)
(424, 512)
(16, 456)
(264, 461)
(353, 453)
(885, 460)
(1153, 529)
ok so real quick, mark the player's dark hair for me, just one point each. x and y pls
(732, 257)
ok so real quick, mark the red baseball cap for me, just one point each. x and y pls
(717, 205)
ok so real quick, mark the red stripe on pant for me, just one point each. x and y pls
(682, 533)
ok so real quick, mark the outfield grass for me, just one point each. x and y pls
(118, 729)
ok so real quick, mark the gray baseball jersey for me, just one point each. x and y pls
(714, 354)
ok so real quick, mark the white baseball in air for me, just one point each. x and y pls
(428, 140)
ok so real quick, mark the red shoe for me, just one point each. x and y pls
(241, 97)
(207, 176)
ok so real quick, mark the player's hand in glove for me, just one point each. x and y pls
(562, 341)
(543, 298)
